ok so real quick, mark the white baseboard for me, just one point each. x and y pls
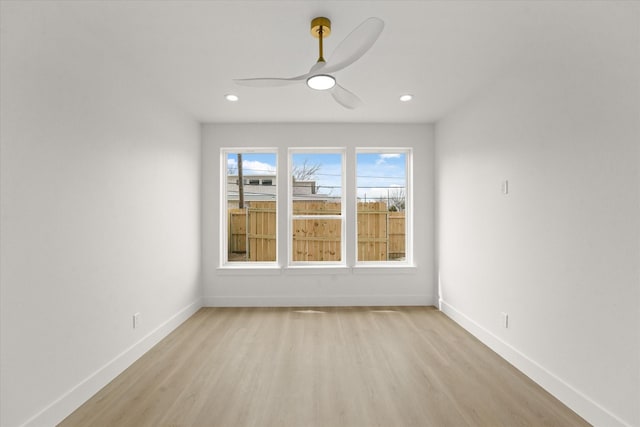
(573, 398)
(318, 301)
(58, 410)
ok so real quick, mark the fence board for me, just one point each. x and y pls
(262, 231)
(237, 231)
(372, 231)
(397, 235)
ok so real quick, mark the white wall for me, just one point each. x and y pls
(100, 217)
(560, 253)
(286, 287)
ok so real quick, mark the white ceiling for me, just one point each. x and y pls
(443, 52)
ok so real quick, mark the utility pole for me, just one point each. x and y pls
(240, 183)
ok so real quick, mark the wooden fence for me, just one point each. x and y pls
(317, 239)
(257, 230)
(252, 232)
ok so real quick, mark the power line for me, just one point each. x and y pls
(272, 172)
(396, 187)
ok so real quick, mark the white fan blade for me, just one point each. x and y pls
(275, 82)
(356, 44)
(270, 82)
(318, 66)
(345, 98)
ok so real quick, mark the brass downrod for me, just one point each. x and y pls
(320, 57)
(321, 28)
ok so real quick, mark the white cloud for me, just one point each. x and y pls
(385, 156)
(254, 167)
(250, 167)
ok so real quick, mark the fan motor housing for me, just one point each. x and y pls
(317, 24)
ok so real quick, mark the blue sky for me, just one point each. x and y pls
(377, 174)
(329, 176)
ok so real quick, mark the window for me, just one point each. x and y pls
(377, 188)
(382, 205)
(249, 210)
(316, 207)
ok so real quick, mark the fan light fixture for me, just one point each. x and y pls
(319, 77)
(231, 97)
(321, 82)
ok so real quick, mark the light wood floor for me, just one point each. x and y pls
(401, 366)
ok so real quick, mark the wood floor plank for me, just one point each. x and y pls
(346, 366)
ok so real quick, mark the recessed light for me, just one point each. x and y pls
(405, 98)
(231, 97)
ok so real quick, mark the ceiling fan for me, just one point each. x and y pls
(320, 75)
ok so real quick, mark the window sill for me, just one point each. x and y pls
(275, 269)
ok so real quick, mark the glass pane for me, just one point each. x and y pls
(381, 192)
(317, 239)
(317, 183)
(316, 207)
(251, 207)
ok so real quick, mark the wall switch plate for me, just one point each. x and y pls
(505, 187)
(136, 320)
(504, 320)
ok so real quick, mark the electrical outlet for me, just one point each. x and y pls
(136, 320)
(504, 320)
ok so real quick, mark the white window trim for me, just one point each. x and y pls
(223, 231)
(408, 262)
(291, 217)
(349, 263)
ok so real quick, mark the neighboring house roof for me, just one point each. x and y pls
(263, 187)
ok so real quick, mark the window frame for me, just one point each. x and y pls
(224, 217)
(348, 216)
(408, 261)
(342, 151)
